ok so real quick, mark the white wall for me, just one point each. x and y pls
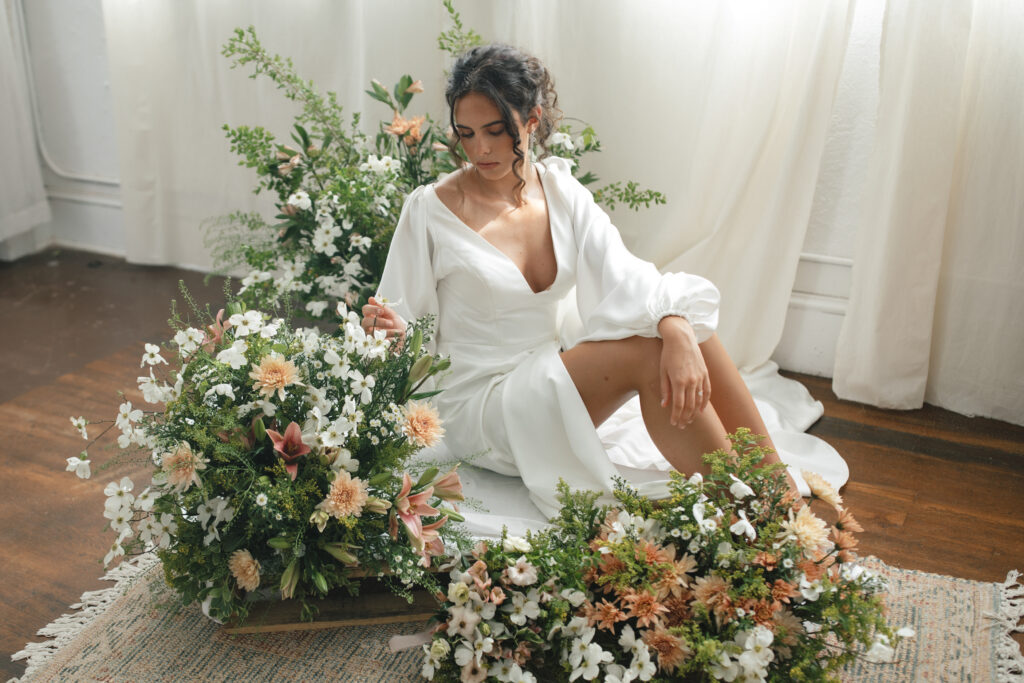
(66, 56)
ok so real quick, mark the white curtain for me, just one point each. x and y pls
(722, 106)
(937, 298)
(23, 202)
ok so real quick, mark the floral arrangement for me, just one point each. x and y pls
(339, 193)
(725, 580)
(280, 460)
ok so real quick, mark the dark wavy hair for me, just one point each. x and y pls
(515, 82)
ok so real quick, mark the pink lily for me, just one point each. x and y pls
(449, 486)
(411, 508)
(432, 543)
(215, 332)
(289, 447)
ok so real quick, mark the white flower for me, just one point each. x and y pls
(463, 655)
(563, 139)
(152, 391)
(359, 242)
(270, 329)
(516, 544)
(79, 423)
(316, 308)
(361, 385)
(344, 461)
(120, 519)
(79, 466)
(167, 528)
(120, 492)
(579, 645)
(220, 390)
(589, 666)
(616, 673)
(462, 620)
(261, 499)
(522, 573)
(642, 666)
(234, 356)
(521, 609)
(880, 651)
(152, 356)
(188, 340)
(246, 323)
(725, 669)
(323, 243)
(517, 675)
(300, 200)
(115, 551)
(739, 489)
(145, 500)
(575, 597)
(743, 527)
(811, 591)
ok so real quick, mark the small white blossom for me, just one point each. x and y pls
(80, 466)
(152, 356)
(234, 355)
(79, 423)
(300, 200)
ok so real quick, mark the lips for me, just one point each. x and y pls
(486, 164)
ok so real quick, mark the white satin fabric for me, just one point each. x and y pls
(509, 399)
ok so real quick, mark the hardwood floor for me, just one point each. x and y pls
(934, 490)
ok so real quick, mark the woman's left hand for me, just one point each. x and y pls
(685, 383)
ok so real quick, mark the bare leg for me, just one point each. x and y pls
(608, 373)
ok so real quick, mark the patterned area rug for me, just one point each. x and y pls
(139, 631)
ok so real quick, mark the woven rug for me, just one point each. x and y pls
(139, 631)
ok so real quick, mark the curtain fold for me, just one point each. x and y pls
(724, 107)
(936, 307)
(23, 202)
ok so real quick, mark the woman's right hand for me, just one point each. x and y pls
(377, 316)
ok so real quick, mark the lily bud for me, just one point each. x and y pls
(340, 552)
(313, 151)
(283, 156)
(377, 505)
(449, 486)
(417, 86)
(320, 519)
(290, 579)
(419, 370)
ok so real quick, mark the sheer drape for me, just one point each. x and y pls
(23, 203)
(723, 106)
(937, 299)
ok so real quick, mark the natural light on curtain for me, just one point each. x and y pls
(722, 106)
(23, 203)
(937, 303)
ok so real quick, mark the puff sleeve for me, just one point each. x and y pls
(408, 277)
(620, 295)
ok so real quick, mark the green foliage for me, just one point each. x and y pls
(338, 192)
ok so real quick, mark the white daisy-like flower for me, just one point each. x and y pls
(188, 340)
(234, 355)
(220, 390)
(80, 466)
(300, 200)
(80, 423)
(323, 243)
(362, 385)
(261, 499)
(316, 308)
(246, 323)
(152, 356)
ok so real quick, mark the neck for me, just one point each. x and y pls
(505, 188)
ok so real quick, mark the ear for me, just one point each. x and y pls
(534, 121)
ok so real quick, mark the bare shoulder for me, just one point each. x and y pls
(449, 191)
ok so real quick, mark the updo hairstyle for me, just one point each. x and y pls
(515, 82)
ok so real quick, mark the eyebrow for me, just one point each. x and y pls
(486, 125)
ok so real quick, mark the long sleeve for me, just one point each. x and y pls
(408, 278)
(618, 294)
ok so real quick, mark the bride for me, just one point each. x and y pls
(491, 251)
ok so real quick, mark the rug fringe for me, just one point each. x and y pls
(1009, 661)
(90, 605)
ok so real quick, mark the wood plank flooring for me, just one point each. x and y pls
(934, 490)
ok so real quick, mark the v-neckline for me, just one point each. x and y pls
(494, 247)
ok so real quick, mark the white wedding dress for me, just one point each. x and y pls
(509, 401)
